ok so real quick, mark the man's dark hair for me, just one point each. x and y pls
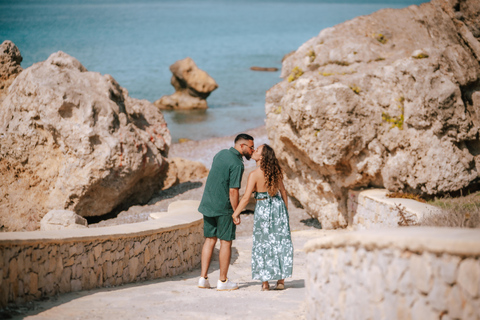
(243, 136)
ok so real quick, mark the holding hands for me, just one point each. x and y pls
(236, 219)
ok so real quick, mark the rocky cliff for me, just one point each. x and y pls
(73, 139)
(389, 100)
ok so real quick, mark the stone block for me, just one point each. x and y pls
(33, 283)
(78, 271)
(456, 301)
(137, 248)
(58, 268)
(422, 311)
(69, 262)
(119, 255)
(129, 249)
(65, 280)
(396, 269)
(469, 276)
(41, 277)
(107, 270)
(405, 285)
(107, 256)
(448, 268)
(13, 270)
(80, 248)
(421, 270)
(49, 285)
(99, 276)
(384, 259)
(97, 251)
(27, 263)
(21, 261)
(115, 268)
(52, 264)
(469, 312)
(90, 260)
(438, 296)
(107, 246)
(126, 275)
(72, 251)
(89, 279)
(147, 254)
(76, 285)
(375, 285)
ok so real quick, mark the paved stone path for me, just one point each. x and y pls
(179, 298)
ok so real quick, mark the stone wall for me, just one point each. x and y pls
(401, 273)
(45, 263)
(372, 209)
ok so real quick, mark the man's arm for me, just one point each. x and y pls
(234, 195)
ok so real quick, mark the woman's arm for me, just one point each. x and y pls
(283, 193)
(251, 182)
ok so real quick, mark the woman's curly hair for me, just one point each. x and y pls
(271, 169)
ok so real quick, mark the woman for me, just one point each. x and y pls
(272, 252)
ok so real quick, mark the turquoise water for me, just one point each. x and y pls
(137, 41)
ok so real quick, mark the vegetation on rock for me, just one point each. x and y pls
(295, 74)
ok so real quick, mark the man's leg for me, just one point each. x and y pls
(224, 258)
(207, 252)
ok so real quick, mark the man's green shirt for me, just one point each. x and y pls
(226, 172)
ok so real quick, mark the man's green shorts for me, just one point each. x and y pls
(221, 227)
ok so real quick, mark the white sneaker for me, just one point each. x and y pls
(226, 286)
(203, 283)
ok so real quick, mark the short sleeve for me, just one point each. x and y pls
(236, 176)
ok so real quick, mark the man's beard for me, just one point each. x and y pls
(247, 156)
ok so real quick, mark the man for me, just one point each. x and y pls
(219, 201)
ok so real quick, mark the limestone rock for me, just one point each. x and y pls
(62, 219)
(192, 87)
(182, 170)
(389, 100)
(75, 140)
(10, 59)
(187, 170)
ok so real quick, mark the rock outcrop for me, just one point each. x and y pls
(389, 100)
(75, 140)
(192, 87)
(62, 219)
(10, 59)
(184, 170)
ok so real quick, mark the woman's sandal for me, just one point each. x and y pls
(267, 288)
(280, 286)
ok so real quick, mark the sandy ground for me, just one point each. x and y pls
(178, 297)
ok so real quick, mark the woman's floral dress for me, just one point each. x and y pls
(272, 252)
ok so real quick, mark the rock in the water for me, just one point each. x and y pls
(192, 87)
(389, 100)
(268, 69)
(73, 139)
(62, 219)
(10, 59)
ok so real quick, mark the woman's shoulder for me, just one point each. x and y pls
(256, 172)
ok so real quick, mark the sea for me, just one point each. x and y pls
(136, 41)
